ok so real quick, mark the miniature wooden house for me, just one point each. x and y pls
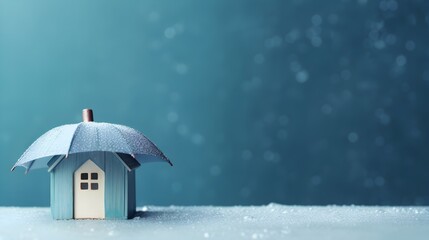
(93, 185)
(92, 167)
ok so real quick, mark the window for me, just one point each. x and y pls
(94, 186)
(84, 186)
(86, 182)
(84, 176)
(94, 176)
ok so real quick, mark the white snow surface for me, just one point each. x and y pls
(273, 221)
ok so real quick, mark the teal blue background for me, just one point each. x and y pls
(296, 102)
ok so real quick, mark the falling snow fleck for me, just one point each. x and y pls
(353, 137)
(301, 76)
(401, 60)
(181, 68)
(259, 59)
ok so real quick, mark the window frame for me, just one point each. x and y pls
(82, 184)
(82, 176)
(94, 174)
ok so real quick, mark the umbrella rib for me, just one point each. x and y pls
(147, 139)
(162, 155)
(122, 136)
(18, 163)
(165, 159)
(49, 146)
(25, 153)
(29, 166)
(73, 137)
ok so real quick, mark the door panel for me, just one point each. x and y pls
(89, 192)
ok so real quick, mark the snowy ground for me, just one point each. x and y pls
(260, 222)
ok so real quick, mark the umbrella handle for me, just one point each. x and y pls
(87, 115)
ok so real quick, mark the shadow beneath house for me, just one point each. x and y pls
(151, 214)
(170, 215)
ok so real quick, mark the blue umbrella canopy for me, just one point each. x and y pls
(89, 136)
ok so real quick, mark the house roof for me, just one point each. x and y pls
(129, 162)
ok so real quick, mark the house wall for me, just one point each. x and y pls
(131, 194)
(117, 184)
(115, 198)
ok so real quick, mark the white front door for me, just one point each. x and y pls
(89, 191)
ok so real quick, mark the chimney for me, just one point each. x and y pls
(87, 115)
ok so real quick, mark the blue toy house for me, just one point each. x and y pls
(97, 185)
(92, 167)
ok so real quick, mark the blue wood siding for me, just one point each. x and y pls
(52, 199)
(115, 195)
(62, 189)
(131, 194)
(119, 185)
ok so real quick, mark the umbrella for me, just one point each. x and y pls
(89, 136)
